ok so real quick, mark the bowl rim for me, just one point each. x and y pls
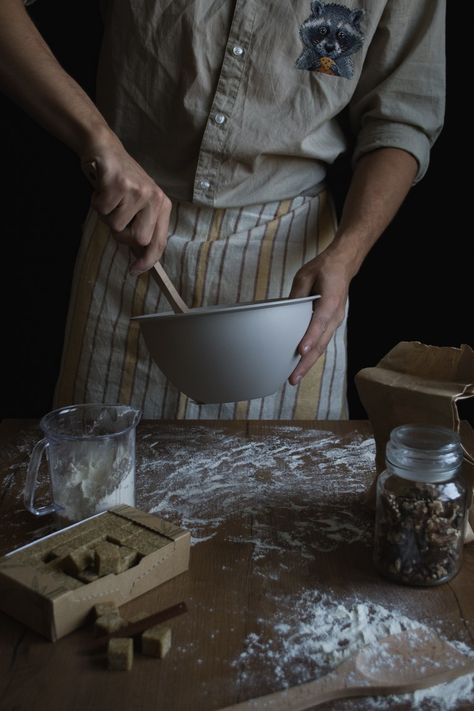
(226, 308)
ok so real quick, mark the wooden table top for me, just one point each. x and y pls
(281, 538)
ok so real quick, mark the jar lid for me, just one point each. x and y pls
(424, 453)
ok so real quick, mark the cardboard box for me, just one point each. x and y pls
(36, 590)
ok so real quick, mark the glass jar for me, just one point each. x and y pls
(421, 506)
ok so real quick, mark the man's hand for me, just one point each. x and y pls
(129, 201)
(379, 185)
(328, 275)
(126, 198)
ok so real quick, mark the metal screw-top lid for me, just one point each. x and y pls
(424, 453)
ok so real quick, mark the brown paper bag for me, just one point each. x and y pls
(419, 384)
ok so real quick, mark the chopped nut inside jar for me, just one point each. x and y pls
(419, 532)
(421, 506)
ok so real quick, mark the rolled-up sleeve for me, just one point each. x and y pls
(400, 97)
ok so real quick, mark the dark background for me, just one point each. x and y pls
(414, 285)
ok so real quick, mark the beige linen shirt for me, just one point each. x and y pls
(207, 96)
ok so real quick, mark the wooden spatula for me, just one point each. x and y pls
(410, 660)
(167, 287)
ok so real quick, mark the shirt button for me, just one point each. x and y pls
(204, 184)
(237, 51)
(219, 119)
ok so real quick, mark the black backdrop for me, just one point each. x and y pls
(414, 285)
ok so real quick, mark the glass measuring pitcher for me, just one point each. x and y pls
(90, 450)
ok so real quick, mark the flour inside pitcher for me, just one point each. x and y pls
(96, 476)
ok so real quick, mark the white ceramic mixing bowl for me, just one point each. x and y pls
(228, 353)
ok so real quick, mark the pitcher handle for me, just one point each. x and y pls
(32, 480)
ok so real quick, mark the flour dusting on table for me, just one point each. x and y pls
(202, 479)
(308, 637)
(299, 491)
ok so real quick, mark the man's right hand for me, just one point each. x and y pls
(126, 198)
(129, 201)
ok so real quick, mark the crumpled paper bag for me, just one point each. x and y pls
(419, 384)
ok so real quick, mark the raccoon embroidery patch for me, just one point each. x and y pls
(330, 35)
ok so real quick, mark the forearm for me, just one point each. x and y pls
(32, 77)
(379, 185)
(126, 198)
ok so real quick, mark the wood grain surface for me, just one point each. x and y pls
(229, 591)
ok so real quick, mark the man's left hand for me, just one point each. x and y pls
(328, 275)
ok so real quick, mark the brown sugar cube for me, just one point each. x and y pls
(105, 608)
(156, 641)
(141, 544)
(119, 538)
(107, 558)
(77, 561)
(42, 547)
(150, 535)
(127, 526)
(88, 575)
(156, 539)
(108, 623)
(117, 523)
(167, 530)
(128, 557)
(118, 518)
(61, 550)
(120, 654)
(98, 523)
(90, 539)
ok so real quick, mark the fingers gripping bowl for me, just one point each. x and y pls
(228, 353)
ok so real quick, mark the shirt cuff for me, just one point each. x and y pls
(385, 134)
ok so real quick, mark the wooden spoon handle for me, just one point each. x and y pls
(305, 696)
(168, 289)
(337, 686)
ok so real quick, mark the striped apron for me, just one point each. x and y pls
(213, 256)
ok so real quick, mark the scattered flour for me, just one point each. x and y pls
(314, 634)
(207, 478)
